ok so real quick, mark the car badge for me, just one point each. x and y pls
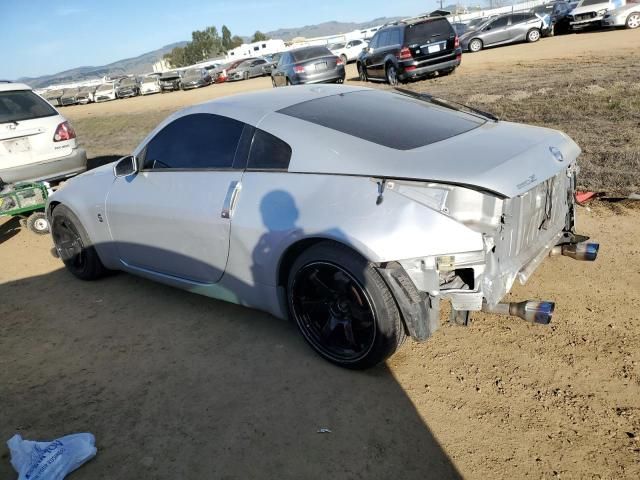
(557, 154)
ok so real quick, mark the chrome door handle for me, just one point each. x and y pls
(230, 200)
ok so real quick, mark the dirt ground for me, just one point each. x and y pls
(175, 385)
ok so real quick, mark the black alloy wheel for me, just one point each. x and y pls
(333, 311)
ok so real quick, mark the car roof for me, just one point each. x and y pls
(9, 86)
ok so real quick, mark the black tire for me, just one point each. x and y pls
(74, 246)
(37, 222)
(475, 45)
(533, 35)
(331, 285)
(362, 73)
(391, 74)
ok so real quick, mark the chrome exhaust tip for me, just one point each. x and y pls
(585, 251)
(533, 311)
(530, 310)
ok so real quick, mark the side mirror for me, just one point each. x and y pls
(126, 166)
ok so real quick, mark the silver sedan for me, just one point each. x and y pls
(353, 211)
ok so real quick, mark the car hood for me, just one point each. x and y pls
(590, 8)
(501, 157)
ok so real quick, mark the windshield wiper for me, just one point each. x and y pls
(447, 103)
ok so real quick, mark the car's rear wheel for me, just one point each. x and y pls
(73, 245)
(342, 306)
(362, 73)
(533, 35)
(392, 75)
(633, 20)
(475, 45)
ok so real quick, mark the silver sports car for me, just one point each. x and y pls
(353, 211)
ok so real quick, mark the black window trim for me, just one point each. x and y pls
(262, 169)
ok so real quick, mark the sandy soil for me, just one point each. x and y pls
(175, 385)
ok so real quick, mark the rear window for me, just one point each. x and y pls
(388, 119)
(19, 105)
(419, 33)
(309, 53)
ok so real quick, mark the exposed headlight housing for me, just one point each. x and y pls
(602, 12)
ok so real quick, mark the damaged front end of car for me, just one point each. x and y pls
(518, 233)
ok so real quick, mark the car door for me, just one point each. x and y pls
(173, 217)
(256, 67)
(496, 31)
(368, 58)
(380, 53)
(279, 74)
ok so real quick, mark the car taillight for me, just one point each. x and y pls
(405, 54)
(298, 69)
(64, 132)
(456, 42)
(339, 61)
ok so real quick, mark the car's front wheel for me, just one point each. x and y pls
(73, 245)
(475, 45)
(362, 73)
(633, 20)
(343, 307)
(533, 35)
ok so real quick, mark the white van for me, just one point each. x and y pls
(36, 142)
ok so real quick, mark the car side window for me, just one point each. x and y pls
(197, 141)
(385, 39)
(499, 22)
(394, 37)
(268, 152)
(373, 44)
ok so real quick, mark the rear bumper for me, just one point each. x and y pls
(327, 76)
(421, 71)
(50, 170)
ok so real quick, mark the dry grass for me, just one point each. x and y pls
(594, 100)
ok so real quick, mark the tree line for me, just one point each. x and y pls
(206, 44)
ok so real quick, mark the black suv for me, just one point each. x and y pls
(410, 49)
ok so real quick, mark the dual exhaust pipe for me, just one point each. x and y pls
(585, 251)
(530, 310)
(535, 311)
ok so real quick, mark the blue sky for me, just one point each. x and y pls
(42, 37)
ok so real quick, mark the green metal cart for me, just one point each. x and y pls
(26, 201)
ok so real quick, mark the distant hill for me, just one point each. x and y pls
(327, 28)
(144, 63)
(140, 64)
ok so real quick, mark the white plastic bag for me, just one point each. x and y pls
(50, 460)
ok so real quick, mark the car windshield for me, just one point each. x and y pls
(170, 76)
(127, 81)
(419, 33)
(309, 53)
(149, 80)
(543, 9)
(193, 73)
(336, 46)
(18, 105)
(104, 87)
